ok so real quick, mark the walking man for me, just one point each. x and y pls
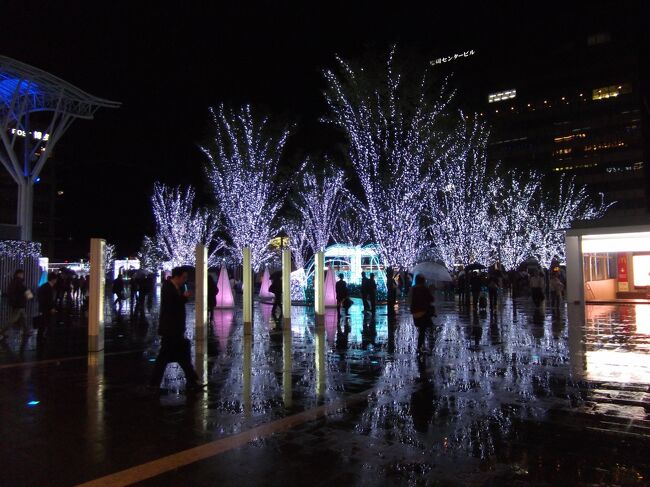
(46, 295)
(372, 293)
(364, 291)
(341, 295)
(174, 346)
(536, 285)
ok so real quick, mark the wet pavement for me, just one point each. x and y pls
(557, 397)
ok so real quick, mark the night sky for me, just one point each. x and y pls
(168, 65)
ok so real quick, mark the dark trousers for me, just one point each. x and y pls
(475, 296)
(538, 295)
(492, 293)
(177, 350)
(364, 300)
(372, 297)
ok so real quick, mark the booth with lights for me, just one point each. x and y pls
(608, 264)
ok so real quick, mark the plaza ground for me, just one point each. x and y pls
(521, 397)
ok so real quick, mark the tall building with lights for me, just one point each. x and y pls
(579, 108)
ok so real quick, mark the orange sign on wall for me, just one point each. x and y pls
(622, 272)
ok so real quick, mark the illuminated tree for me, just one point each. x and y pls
(109, 258)
(351, 227)
(461, 212)
(391, 130)
(518, 201)
(180, 227)
(242, 169)
(298, 241)
(150, 255)
(321, 202)
(558, 208)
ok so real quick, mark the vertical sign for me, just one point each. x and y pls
(621, 265)
(96, 302)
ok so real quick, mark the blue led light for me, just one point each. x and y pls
(37, 180)
(33, 403)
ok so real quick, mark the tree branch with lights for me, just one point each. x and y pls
(242, 170)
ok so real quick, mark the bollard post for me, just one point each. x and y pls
(96, 301)
(286, 285)
(287, 367)
(201, 293)
(321, 365)
(247, 400)
(248, 291)
(319, 287)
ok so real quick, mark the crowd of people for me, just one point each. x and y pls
(61, 291)
(140, 287)
(476, 287)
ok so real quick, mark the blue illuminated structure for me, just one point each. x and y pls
(26, 90)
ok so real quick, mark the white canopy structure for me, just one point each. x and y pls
(25, 90)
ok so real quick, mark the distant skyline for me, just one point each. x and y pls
(168, 66)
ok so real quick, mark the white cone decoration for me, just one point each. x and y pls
(225, 298)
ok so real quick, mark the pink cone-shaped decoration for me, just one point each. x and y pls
(265, 294)
(330, 288)
(225, 299)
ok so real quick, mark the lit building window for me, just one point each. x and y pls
(610, 91)
(502, 95)
(568, 138)
(560, 152)
(605, 145)
(574, 166)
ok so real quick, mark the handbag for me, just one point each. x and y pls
(29, 295)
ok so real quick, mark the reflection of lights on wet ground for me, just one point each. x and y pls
(642, 318)
(618, 366)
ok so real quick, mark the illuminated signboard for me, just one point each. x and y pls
(36, 134)
(442, 60)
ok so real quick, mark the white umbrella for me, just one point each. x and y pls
(432, 271)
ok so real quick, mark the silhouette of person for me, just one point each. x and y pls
(213, 290)
(118, 290)
(174, 346)
(421, 300)
(341, 294)
(276, 289)
(372, 293)
(364, 291)
(391, 290)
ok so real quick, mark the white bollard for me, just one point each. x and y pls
(201, 292)
(287, 367)
(286, 285)
(96, 299)
(319, 285)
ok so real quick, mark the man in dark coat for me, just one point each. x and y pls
(213, 290)
(46, 295)
(372, 293)
(421, 301)
(341, 294)
(364, 291)
(276, 289)
(174, 346)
